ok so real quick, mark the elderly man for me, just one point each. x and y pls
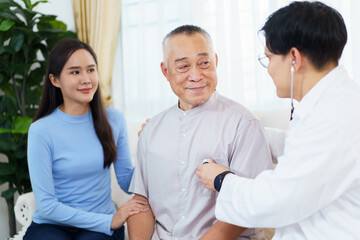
(203, 123)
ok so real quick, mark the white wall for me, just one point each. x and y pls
(62, 9)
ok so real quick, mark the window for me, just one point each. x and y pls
(140, 89)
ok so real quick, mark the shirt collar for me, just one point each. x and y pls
(311, 98)
(199, 108)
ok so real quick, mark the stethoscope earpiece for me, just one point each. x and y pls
(291, 87)
(292, 65)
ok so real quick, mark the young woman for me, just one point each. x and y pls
(71, 145)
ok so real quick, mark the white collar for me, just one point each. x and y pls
(312, 97)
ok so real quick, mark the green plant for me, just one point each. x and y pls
(26, 38)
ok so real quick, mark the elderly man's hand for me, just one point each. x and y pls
(207, 173)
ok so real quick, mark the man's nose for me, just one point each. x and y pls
(195, 74)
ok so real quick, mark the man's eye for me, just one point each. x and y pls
(184, 67)
(205, 64)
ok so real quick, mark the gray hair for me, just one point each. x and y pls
(184, 29)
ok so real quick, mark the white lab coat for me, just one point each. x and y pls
(314, 192)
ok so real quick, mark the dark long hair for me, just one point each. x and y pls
(52, 96)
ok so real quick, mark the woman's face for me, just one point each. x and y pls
(78, 80)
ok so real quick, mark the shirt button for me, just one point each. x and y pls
(183, 163)
(182, 217)
(185, 114)
(184, 134)
(183, 190)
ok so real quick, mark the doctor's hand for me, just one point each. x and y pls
(207, 173)
(133, 206)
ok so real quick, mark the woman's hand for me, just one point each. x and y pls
(131, 207)
(142, 126)
(207, 173)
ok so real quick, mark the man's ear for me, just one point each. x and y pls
(54, 80)
(297, 58)
(163, 69)
(216, 59)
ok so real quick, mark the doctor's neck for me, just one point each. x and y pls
(308, 76)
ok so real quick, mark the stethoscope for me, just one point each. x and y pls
(291, 87)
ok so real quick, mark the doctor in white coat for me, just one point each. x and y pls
(314, 192)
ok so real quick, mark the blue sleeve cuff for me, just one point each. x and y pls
(108, 230)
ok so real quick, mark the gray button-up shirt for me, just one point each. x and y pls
(171, 147)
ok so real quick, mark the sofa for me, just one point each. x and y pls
(275, 123)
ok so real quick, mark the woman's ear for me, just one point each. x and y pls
(54, 80)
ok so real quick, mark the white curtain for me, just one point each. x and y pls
(141, 91)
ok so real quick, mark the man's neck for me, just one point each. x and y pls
(311, 77)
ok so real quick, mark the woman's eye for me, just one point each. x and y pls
(91, 70)
(74, 72)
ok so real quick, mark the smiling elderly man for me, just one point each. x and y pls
(202, 124)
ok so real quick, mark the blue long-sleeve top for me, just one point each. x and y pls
(65, 159)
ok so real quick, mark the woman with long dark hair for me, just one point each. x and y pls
(72, 143)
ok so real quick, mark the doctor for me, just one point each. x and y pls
(314, 192)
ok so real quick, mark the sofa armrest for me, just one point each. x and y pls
(24, 208)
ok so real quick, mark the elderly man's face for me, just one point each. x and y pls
(190, 68)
